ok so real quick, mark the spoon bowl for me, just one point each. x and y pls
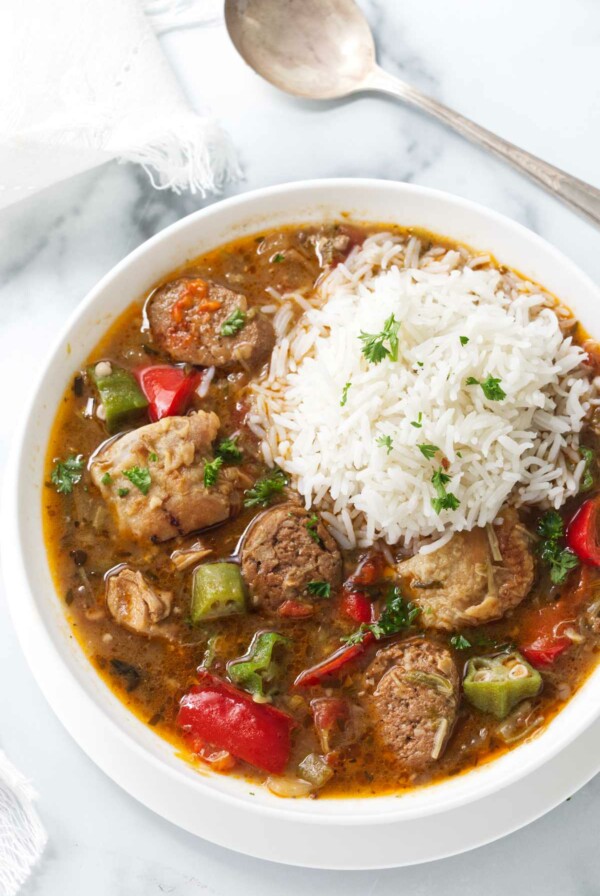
(312, 49)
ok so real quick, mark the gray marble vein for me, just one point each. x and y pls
(529, 71)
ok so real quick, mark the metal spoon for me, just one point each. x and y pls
(324, 49)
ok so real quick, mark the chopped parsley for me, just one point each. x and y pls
(278, 257)
(445, 500)
(311, 528)
(397, 615)
(319, 589)
(428, 451)
(374, 348)
(559, 560)
(587, 477)
(417, 423)
(140, 477)
(153, 457)
(459, 642)
(228, 450)
(345, 394)
(67, 473)
(476, 639)
(122, 492)
(211, 471)
(385, 442)
(265, 488)
(491, 387)
(234, 323)
(106, 479)
(463, 340)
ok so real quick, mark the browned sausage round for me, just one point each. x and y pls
(287, 548)
(412, 692)
(200, 322)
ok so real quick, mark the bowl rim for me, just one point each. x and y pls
(15, 566)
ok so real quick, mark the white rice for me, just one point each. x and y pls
(523, 448)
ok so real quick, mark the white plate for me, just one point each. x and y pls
(324, 832)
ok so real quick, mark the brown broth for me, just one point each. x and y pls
(162, 671)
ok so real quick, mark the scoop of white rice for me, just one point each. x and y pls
(359, 461)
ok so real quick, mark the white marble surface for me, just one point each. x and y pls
(526, 69)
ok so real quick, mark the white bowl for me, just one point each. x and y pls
(224, 809)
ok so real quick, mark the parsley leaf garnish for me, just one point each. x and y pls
(311, 528)
(319, 589)
(345, 394)
(417, 423)
(558, 559)
(234, 323)
(385, 442)
(586, 482)
(278, 257)
(397, 615)
(459, 642)
(263, 489)
(123, 492)
(228, 450)
(374, 348)
(491, 387)
(106, 479)
(153, 457)
(140, 477)
(445, 500)
(428, 451)
(67, 473)
(463, 340)
(211, 471)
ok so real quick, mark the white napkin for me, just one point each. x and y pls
(22, 837)
(85, 81)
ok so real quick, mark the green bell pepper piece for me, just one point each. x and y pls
(122, 399)
(495, 684)
(217, 591)
(257, 667)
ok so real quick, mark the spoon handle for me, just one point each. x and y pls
(582, 197)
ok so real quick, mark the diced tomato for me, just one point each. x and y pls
(295, 609)
(333, 663)
(543, 651)
(368, 571)
(583, 532)
(329, 714)
(219, 714)
(219, 760)
(168, 389)
(357, 606)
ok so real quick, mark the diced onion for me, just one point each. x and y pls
(289, 787)
(439, 739)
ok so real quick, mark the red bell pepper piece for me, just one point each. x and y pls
(221, 715)
(333, 663)
(543, 638)
(583, 535)
(168, 389)
(357, 606)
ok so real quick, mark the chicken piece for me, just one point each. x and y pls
(463, 584)
(152, 479)
(135, 605)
